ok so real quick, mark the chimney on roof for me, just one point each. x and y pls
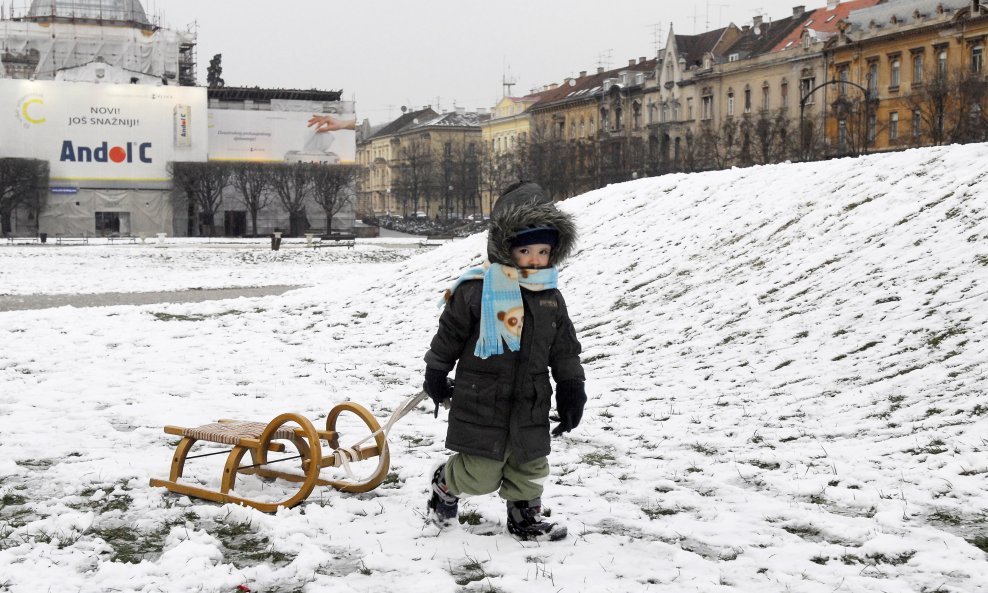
(553, 85)
(583, 73)
(832, 4)
(798, 10)
(461, 110)
(758, 21)
(631, 62)
(745, 28)
(600, 69)
(641, 59)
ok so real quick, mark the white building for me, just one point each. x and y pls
(109, 98)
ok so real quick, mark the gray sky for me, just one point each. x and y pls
(389, 53)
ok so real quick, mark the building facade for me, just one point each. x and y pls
(922, 66)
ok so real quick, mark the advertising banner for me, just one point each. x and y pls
(291, 131)
(102, 132)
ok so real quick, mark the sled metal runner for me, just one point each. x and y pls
(259, 439)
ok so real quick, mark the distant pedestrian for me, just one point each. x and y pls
(504, 326)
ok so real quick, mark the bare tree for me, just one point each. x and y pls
(292, 183)
(203, 185)
(252, 181)
(21, 183)
(333, 188)
(415, 176)
(549, 160)
(466, 179)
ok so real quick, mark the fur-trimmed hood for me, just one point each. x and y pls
(527, 206)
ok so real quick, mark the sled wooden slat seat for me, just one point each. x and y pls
(258, 438)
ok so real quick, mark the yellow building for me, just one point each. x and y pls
(922, 66)
(503, 136)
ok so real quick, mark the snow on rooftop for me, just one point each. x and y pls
(786, 366)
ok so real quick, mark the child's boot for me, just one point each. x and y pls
(442, 504)
(525, 521)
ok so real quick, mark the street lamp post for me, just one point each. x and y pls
(805, 99)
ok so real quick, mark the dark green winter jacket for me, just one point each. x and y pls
(505, 399)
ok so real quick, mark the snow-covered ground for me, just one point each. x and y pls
(788, 371)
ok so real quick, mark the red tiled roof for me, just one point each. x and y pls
(824, 20)
(586, 86)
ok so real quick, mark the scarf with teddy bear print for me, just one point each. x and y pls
(501, 310)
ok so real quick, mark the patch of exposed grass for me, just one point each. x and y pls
(934, 447)
(243, 547)
(470, 518)
(654, 512)
(770, 465)
(704, 449)
(980, 542)
(598, 458)
(803, 531)
(937, 338)
(946, 517)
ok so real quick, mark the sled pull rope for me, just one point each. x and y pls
(344, 455)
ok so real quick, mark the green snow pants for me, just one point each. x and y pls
(472, 475)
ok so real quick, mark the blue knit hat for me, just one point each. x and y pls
(538, 235)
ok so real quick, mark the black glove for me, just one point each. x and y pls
(437, 386)
(570, 399)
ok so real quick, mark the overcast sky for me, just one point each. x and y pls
(388, 53)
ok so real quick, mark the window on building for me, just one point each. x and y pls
(675, 111)
(977, 58)
(651, 113)
(917, 123)
(636, 115)
(747, 100)
(872, 127)
(108, 222)
(572, 130)
(873, 79)
(894, 69)
(707, 107)
(765, 97)
(842, 134)
(784, 92)
(689, 108)
(844, 75)
(733, 57)
(618, 120)
(603, 119)
(893, 126)
(730, 103)
(918, 69)
(583, 128)
(665, 112)
(806, 85)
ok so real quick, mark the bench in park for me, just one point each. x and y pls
(61, 239)
(12, 240)
(436, 240)
(122, 238)
(335, 240)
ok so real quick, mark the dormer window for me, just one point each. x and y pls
(734, 57)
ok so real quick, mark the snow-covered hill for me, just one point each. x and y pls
(788, 372)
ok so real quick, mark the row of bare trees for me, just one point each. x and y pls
(450, 179)
(950, 108)
(23, 182)
(260, 185)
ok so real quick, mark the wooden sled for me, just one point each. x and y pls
(257, 439)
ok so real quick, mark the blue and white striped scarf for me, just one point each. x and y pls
(501, 308)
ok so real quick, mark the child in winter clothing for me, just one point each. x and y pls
(503, 334)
